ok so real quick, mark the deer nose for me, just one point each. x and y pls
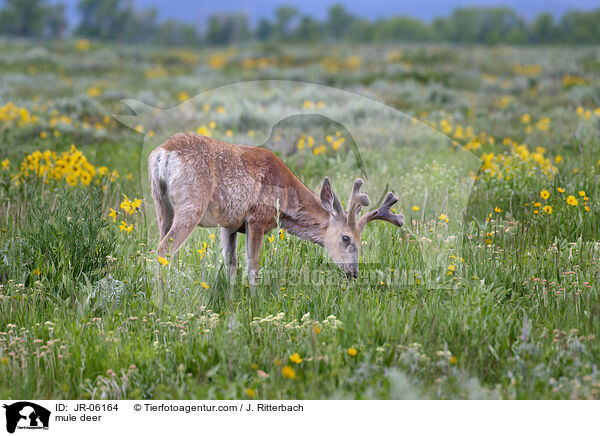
(352, 274)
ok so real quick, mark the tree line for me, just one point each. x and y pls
(118, 20)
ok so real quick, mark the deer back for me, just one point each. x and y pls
(234, 183)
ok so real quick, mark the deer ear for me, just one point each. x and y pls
(330, 202)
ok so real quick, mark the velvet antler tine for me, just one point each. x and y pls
(357, 200)
(383, 213)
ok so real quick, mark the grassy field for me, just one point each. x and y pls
(490, 290)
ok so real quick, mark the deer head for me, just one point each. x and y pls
(342, 237)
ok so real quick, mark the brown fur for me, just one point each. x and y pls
(202, 181)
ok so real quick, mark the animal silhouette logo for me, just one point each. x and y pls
(24, 414)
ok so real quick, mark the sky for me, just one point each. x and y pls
(197, 11)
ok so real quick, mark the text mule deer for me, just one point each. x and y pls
(202, 181)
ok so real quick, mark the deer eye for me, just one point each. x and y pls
(346, 239)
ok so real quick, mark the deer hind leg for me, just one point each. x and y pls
(181, 229)
(164, 215)
(229, 244)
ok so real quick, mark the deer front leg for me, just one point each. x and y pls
(229, 244)
(254, 238)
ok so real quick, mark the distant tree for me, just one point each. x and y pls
(580, 27)
(8, 21)
(284, 19)
(119, 20)
(32, 18)
(104, 19)
(116, 20)
(143, 26)
(264, 29)
(339, 21)
(56, 23)
(402, 29)
(484, 25)
(173, 33)
(361, 30)
(543, 29)
(442, 29)
(227, 28)
(308, 30)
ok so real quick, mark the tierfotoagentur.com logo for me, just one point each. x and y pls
(24, 415)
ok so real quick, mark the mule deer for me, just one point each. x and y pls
(202, 181)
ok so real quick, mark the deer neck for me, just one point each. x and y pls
(306, 219)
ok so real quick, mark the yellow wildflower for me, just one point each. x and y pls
(125, 227)
(82, 45)
(125, 204)
(162, 260)
(545, 194)
(352, 352)
(295, 358)
(183, 96)
(71, 180)
(135, 204)
(94, 92)
(288, 372)
(86, 178)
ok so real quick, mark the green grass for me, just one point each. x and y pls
(492, 304)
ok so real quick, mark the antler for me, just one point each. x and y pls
(383, 213)
(357, 200)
